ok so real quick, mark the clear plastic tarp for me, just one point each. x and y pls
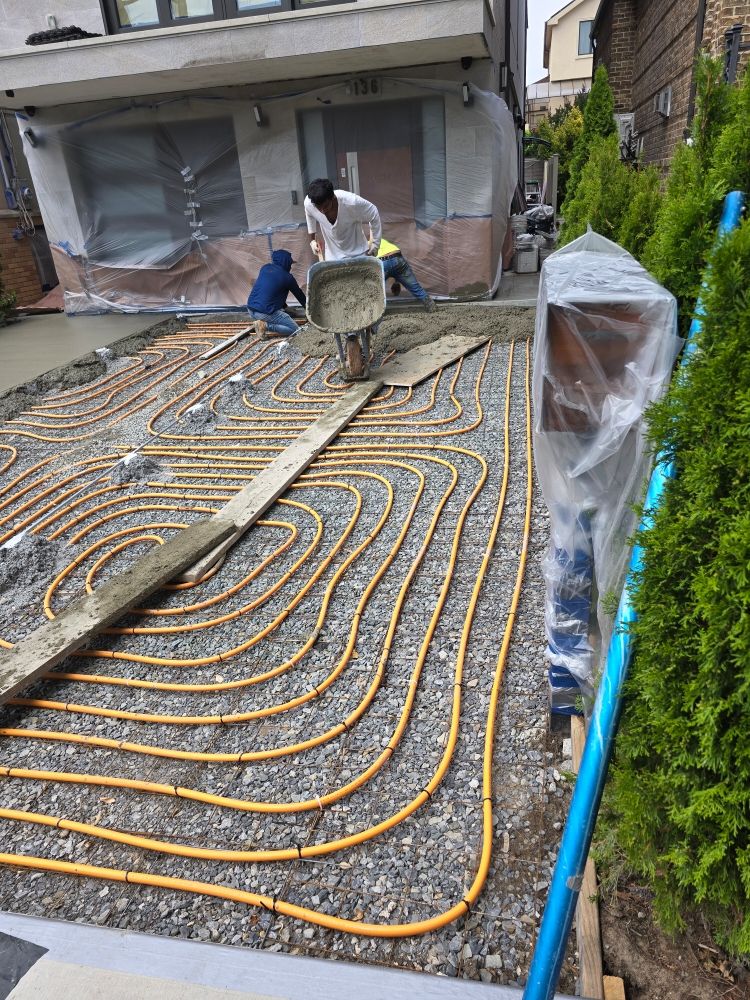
(174, 204)
(605, 344)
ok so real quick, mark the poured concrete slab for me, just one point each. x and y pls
(52, 642)
(203, 967)
(34, 345)
(51, 980)
(420, 362)
(518, 287)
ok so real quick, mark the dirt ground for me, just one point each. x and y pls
(655, 966)
(403, 330)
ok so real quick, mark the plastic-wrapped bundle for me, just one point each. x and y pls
(606, 340)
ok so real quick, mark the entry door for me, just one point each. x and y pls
(392, 153)
(383, 176)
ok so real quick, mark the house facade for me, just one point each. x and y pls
(171, 154)
(650, 48)
(568, 57)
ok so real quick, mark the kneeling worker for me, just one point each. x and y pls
(396, 266)
(268, 297)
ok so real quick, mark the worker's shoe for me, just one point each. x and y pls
(429, 304)
(395, 288)
(261, 329)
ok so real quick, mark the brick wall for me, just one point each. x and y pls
(648, 45)
(723, 14)
(664, 56)
(615, 42)
(19, 272)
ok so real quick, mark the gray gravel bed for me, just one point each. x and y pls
(424, 865)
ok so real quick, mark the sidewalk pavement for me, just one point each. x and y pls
(82, 962)
(34, 345)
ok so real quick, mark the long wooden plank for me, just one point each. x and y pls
(226, 344)
(251, 503)
(591, 973)
(52, 642)
(420, 362)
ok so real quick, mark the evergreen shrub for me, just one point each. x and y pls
(561, 130)
(598, 123)
(717, 161)
(7, 301)
(680, 787)
(612, 197)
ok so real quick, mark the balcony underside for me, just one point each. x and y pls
(259, 50)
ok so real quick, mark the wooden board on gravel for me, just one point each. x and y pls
(254, 500)
(52, 642)
(420, 362)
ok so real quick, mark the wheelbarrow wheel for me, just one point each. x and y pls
(355, 362)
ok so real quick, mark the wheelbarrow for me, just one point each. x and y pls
(347, 298)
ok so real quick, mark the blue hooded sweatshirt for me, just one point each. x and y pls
(273, 284)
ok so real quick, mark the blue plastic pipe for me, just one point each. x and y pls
(584, 806)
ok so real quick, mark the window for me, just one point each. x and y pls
(132, 184)
(134, 15)
(585, 48)
(663, 102)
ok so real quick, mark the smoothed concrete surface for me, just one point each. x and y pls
(37, 344)
(198, 967)
(51, 980)
(518, 286)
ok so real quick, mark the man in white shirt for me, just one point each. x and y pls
(341, 217)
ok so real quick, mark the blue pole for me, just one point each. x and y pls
(584, 806)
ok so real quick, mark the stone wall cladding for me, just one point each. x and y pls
(721, 15)
(663, 57)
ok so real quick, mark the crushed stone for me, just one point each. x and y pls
(199, 418)
(230, 400)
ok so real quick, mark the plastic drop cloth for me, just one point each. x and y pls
(175, 203)
(16, 958)
(605, 343)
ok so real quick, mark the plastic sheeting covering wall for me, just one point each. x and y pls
(175, 204)
(605, 343)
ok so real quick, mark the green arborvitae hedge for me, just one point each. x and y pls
(681, 782)
(598, 123)
(678, 802)
(701, 174)
(613, 198)
(561, 130)
(638, 220)
(601, 195)
(616, 199)
(7, 301)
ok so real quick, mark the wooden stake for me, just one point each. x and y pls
(588, 930)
